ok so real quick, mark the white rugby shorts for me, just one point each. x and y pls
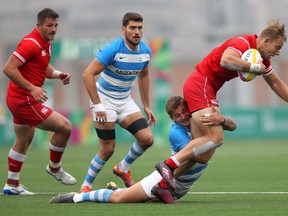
(117, 110)
(149, 181)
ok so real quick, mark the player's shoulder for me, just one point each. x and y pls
(31, 42)
(33, 39)
(246, 40)
(144, 46)
(114, 45)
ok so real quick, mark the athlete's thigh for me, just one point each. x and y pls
(137, 125)
(129, 112)
(55, 122)
(129, 119)
(197, 127)
(105, 126)
(133, 194)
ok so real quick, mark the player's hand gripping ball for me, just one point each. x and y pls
(252, 56)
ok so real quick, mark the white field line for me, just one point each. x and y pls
(190, 193)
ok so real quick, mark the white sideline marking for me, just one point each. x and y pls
(190, 193)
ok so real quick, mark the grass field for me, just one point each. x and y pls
(243, 178)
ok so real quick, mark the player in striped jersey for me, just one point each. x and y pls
(179, 136)
(118, 65)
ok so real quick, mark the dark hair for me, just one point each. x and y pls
(173, 103)
(274, 30)
(46, 13)
(131, 16)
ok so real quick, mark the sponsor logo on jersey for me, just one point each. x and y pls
(44, 110)
(43, 53)
(126, 72)
(214, 101)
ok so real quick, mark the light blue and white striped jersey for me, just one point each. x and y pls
(122, 66)
(179, 137)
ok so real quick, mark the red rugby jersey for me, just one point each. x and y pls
(218, 75)
(35, 53)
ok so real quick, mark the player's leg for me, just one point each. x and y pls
(16, 157)
(61, 127)
(106, 135)
(207, 140)
(133, 194)
(137, 125)
(139, 192)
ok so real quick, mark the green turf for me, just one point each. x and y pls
(238, 166)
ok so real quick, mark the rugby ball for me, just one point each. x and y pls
(253, 56)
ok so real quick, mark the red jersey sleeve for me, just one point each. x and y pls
(27, 49)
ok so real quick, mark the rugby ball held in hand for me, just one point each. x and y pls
(253, 56)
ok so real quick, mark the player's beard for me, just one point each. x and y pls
(132, 42)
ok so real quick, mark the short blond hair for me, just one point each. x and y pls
(274, 30)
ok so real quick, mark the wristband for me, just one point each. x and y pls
(98, 107)
(224, 121)
(56, 74)
(255, 68)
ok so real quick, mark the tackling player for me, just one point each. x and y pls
(179, 136)
(27, 68)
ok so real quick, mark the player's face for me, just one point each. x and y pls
(272, 48)
(133, 33)
(48, 28)
(181, 115)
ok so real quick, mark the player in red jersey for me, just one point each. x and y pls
(27, 68)
(201, 87)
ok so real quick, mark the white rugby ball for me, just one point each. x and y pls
(253, 56)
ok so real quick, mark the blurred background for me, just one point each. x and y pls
(180, 33)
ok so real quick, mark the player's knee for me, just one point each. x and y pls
(205, 148)
(203, 159)
(219, 139)
(66, 128)
(146, 140)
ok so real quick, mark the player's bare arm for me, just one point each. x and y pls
(231, 60)
(144, 84)
(11, 70)
(277, 85)
(216, 118)
(93, 69)
(52, 73)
